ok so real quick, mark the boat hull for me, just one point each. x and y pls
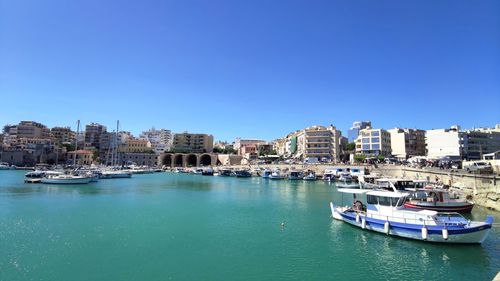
(66, 181)
(460, 208)
(456, 234)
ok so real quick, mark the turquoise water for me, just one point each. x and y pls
(184, 227)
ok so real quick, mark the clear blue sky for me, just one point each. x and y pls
(254, 69)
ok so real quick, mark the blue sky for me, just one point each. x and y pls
(251, 69)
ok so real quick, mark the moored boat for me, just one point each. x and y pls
(310, 176)
(277, 175)
(384, 212)
(66, 179)
(266, 173)
(440, 200)
(242, 173)
(295, 175)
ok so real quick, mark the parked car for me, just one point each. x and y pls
(479, 167)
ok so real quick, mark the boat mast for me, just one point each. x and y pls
(76, 141)
(116, 141)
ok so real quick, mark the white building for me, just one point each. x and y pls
(161, 140)
(373, 142)
(445, 142)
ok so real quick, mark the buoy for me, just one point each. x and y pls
(424, 233)
(386, 227)
(445, 233)
(357, 218)
(363, 223)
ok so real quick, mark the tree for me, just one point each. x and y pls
(359, 158)
(351, 146)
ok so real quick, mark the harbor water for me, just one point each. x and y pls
(167, 226)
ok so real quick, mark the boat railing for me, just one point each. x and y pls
(421, 219)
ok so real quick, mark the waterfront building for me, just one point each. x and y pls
(407, 142)
(279, 146)
(93, 133)
(482, 141)
(373, 142)
(446, 143)
(193, 143)
(247, 146)
(319, 142)
(161, 140)
(63, 135)
(353, 132)
(141, 159)
(135, 146)
(83, 157)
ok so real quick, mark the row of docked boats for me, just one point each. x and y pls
(398, 207)
(84, 175)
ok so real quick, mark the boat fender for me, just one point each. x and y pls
(445, 233)
(357, 218)
(387, 227)
(424, 233)
(363, 223)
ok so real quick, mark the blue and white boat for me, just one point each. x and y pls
(384, 212)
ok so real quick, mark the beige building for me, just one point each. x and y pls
(83, 157)
(320, 142)
(135, 146)
(373, 142)
(193, 143)
(407, 142)
(63, 135)
(244, 147)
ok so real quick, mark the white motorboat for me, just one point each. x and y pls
(384, 212)
(5, 166)
(115, 174)
(66, 179)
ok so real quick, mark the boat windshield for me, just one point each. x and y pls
(451, 219)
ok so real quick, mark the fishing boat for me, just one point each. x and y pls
(384, 212)
(207, 172)
(225, 173)
(242, 173)
(310, 176)
(266, 173)
(276, 175)
(329, 175)
(430, 197)
(66, 179)
(440, 200)
(295, 175)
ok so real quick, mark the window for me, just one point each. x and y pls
(376, 146)
(366, 140)
(370, 199)
(366, 147)
(384, 201)
(375, 133)
(375, 139)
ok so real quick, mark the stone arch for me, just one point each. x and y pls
(178, 160)
(205, 160)
(191, 160)
(167, 160)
